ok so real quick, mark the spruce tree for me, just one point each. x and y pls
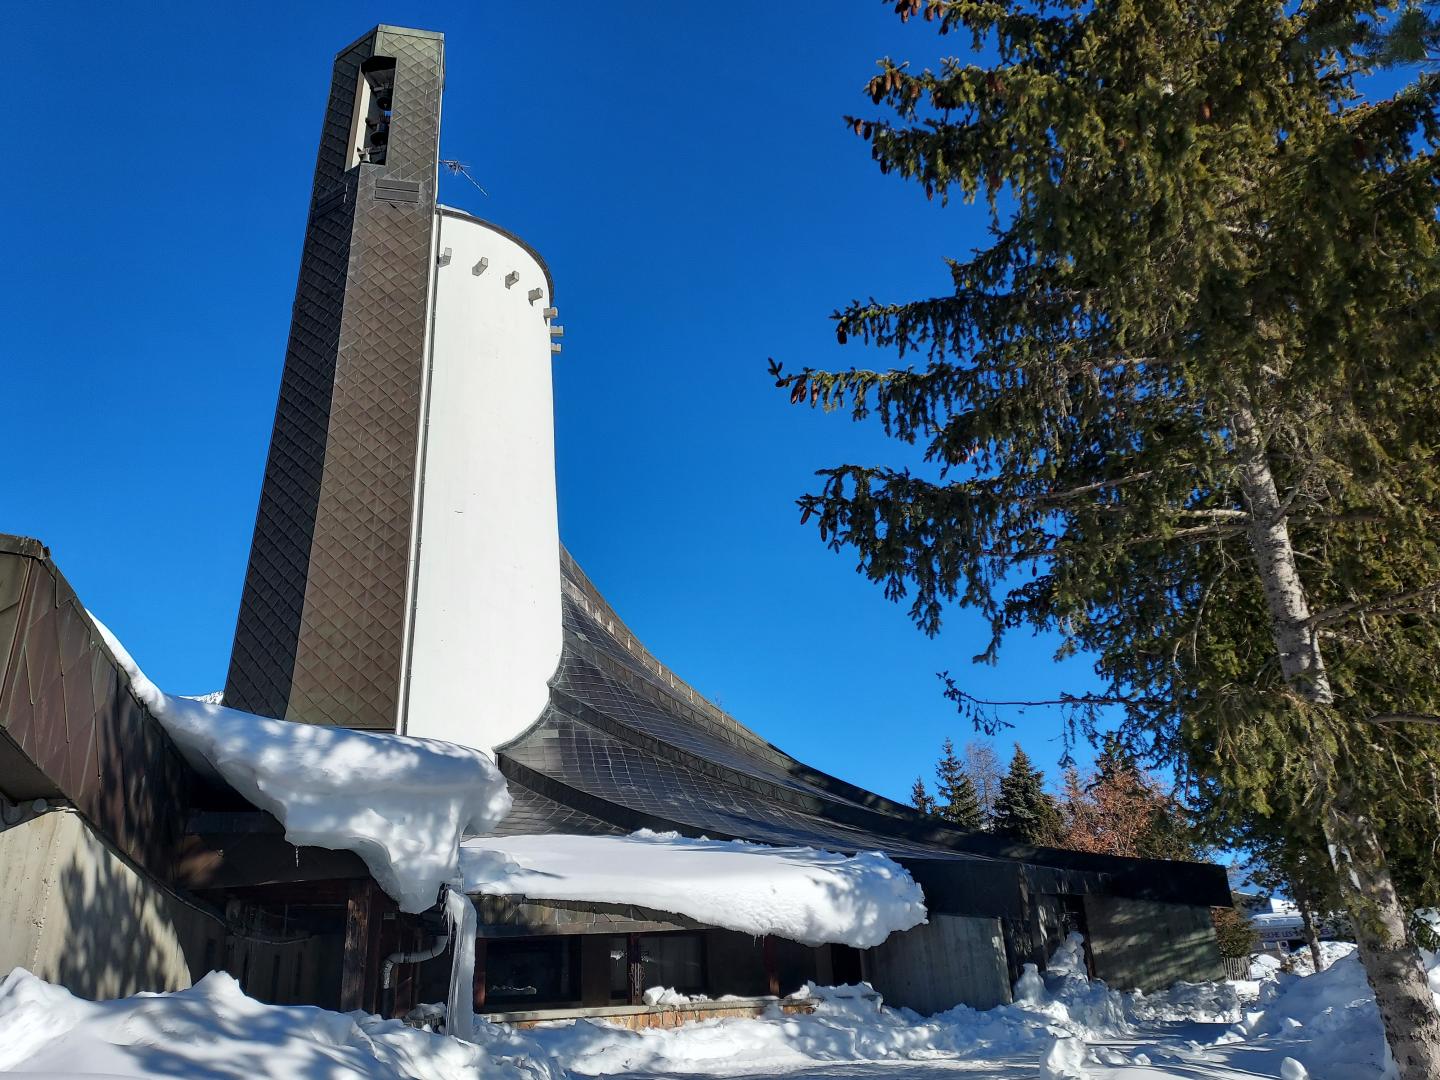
(1022, 809)
(956, 800)
(1183, 409)
(920, 798)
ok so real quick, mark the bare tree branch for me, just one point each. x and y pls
(1086, 489)
(1426, 596)
(953, 691)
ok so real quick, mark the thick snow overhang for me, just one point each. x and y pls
(74, 730)
(402, 804)
(798, 893)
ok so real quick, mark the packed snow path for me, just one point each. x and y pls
(1169, 1061)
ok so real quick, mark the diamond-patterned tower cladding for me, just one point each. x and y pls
(404, 572)
(321, 626)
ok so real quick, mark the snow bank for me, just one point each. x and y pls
(1327, 1022)
(668, 995)
(805, 895)
(1061, 1025)
(1302, 963)
(1055, 1015)
(849, 1024)
(401, 804)
(214, 1031)
(1268, 965)
(1264, 965)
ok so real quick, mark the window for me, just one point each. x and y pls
(531, 973)
(675, 961)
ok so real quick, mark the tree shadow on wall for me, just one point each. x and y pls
(118, 940)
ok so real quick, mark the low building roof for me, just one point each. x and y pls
(624, 744)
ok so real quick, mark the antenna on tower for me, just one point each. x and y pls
(459, 168)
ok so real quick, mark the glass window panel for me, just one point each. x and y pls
(675, 961)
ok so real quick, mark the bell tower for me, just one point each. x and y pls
(405, 569)
(321, 627)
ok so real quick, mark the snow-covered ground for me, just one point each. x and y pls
(1061, 1025)
(214, 1032)
(1300, 962)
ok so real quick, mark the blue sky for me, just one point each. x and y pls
(685, 172)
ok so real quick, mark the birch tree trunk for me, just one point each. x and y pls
(1392, 962)
(1301, 661)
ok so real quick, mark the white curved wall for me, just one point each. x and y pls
(485, 634)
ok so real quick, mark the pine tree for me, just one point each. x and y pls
(956, 800)
(920, 798)
(1413, 36)
(1182, 410)
(1023, 810)
(1279, 865)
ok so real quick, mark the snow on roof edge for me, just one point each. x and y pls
(401, 803)
(799, 893)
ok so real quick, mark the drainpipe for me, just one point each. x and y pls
(438, 946)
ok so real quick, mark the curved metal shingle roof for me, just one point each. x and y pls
(624, 743)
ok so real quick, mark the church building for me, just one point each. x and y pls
(406, 576)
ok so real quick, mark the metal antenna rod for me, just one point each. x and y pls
(459, 168)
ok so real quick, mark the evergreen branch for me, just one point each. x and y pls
(1240, 517)
(1290, 496)
(1193, 532)
(1399, 603)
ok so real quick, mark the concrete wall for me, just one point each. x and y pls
(74, 913)
(951, 960)
(486, 629)
(1145, 945)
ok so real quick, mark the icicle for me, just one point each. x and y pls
(460, 1004)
